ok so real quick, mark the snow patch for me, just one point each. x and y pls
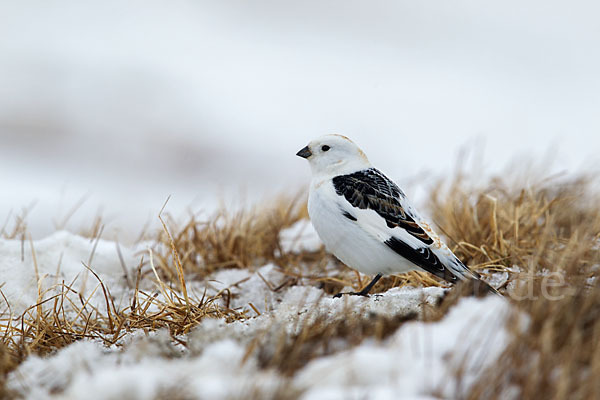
(57, 258)
(300, 237)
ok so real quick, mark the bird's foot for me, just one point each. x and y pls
(365, 291)
(337, 296)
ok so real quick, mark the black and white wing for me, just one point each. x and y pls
(395, 223)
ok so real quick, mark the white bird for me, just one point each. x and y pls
(365, 219)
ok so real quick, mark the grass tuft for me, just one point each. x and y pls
(545, 236)
(242, 239)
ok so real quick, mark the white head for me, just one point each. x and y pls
(334, 155)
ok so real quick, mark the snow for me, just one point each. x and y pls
(419, 360)
(300, 236)
(59, 258)
(87, 370)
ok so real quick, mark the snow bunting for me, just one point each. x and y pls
(365, 219)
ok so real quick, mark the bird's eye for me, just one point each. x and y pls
(325, 148)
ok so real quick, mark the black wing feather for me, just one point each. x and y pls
(422, 257)
(370, 189)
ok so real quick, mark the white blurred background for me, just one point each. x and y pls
(120, 104)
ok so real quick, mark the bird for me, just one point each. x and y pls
(367, 222)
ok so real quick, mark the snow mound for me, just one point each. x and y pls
(88, 370)
(419, 359)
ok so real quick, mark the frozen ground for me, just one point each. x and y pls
(419, 360)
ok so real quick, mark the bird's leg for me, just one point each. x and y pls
(365, 291)
(368, 288)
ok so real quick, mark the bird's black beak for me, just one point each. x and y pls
(304, 153)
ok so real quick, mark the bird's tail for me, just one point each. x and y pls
(477, 286)
(480, 287)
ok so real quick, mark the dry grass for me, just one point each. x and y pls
(243, 239)
(61, 319)
(528, 231)
(549, 232)
(506, 224)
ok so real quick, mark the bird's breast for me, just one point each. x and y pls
(324, 212)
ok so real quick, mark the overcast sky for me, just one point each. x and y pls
(129, 102)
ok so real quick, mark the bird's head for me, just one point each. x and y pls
(334, 155)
